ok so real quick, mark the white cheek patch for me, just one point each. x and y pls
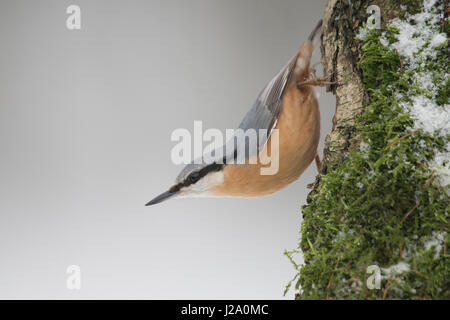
(201, 188)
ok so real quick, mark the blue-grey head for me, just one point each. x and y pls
(195, 180)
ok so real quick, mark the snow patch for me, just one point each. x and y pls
(441, 164)
(436, 240)
(417, 39)
(395, 270)
(419, 36)
(363, 33)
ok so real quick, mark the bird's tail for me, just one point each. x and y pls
(304, 54)
(315, 35)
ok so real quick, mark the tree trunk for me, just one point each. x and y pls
(340, 55)
(376, 223)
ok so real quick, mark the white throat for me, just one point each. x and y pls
(201, 188)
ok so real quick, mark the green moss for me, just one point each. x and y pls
(412, 6)
(379, 65)
(381, 204)
(444, 94)
(441, 67)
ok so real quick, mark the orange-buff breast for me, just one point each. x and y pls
(299, 132)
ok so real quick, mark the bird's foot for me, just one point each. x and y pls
(314, 80)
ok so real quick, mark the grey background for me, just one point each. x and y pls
(85, 124)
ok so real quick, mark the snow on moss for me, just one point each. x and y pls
(417, 39)
(436, 241)
(441, 164)
(394, 270)
(416, 42)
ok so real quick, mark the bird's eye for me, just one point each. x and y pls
(193, 177)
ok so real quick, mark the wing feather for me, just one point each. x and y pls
(266, 109)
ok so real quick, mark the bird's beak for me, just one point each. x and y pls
(162, 197)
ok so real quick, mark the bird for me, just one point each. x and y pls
(289, 104)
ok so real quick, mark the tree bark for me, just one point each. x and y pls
(340, 56)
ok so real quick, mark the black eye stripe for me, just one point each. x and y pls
(195, 176)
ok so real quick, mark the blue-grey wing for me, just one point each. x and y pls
(264, 112)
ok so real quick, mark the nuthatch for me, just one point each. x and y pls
(287, 103)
